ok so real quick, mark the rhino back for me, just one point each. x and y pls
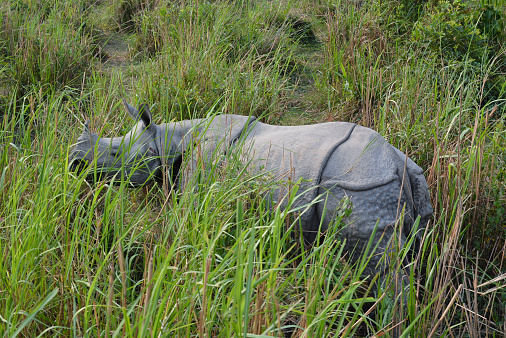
(365, 161)
(291, 153)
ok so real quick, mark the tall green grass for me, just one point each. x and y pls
(213, 260)
(44, 45)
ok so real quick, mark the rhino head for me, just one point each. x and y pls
(137, 157)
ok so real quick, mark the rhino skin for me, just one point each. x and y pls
(334, 160)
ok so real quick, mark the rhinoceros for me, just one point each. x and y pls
(329, 161)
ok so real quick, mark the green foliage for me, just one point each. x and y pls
(460, 30)
(243, 62)
(493, 229)
(127, 10)
(44, 46)
(468, 32)
(412, 10)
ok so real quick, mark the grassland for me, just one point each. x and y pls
(100, 260)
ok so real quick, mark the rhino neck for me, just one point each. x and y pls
(207, 137)
(173, 138)
(178, 137)
(171, 141)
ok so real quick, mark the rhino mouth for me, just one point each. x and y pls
(79, 164)
(96, 174)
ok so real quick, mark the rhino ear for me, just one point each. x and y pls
(86, 135)
(134, 113)
(143, 114)
(86, 128)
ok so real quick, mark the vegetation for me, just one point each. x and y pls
(109, 260)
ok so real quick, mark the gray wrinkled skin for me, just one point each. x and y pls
(335, 160)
